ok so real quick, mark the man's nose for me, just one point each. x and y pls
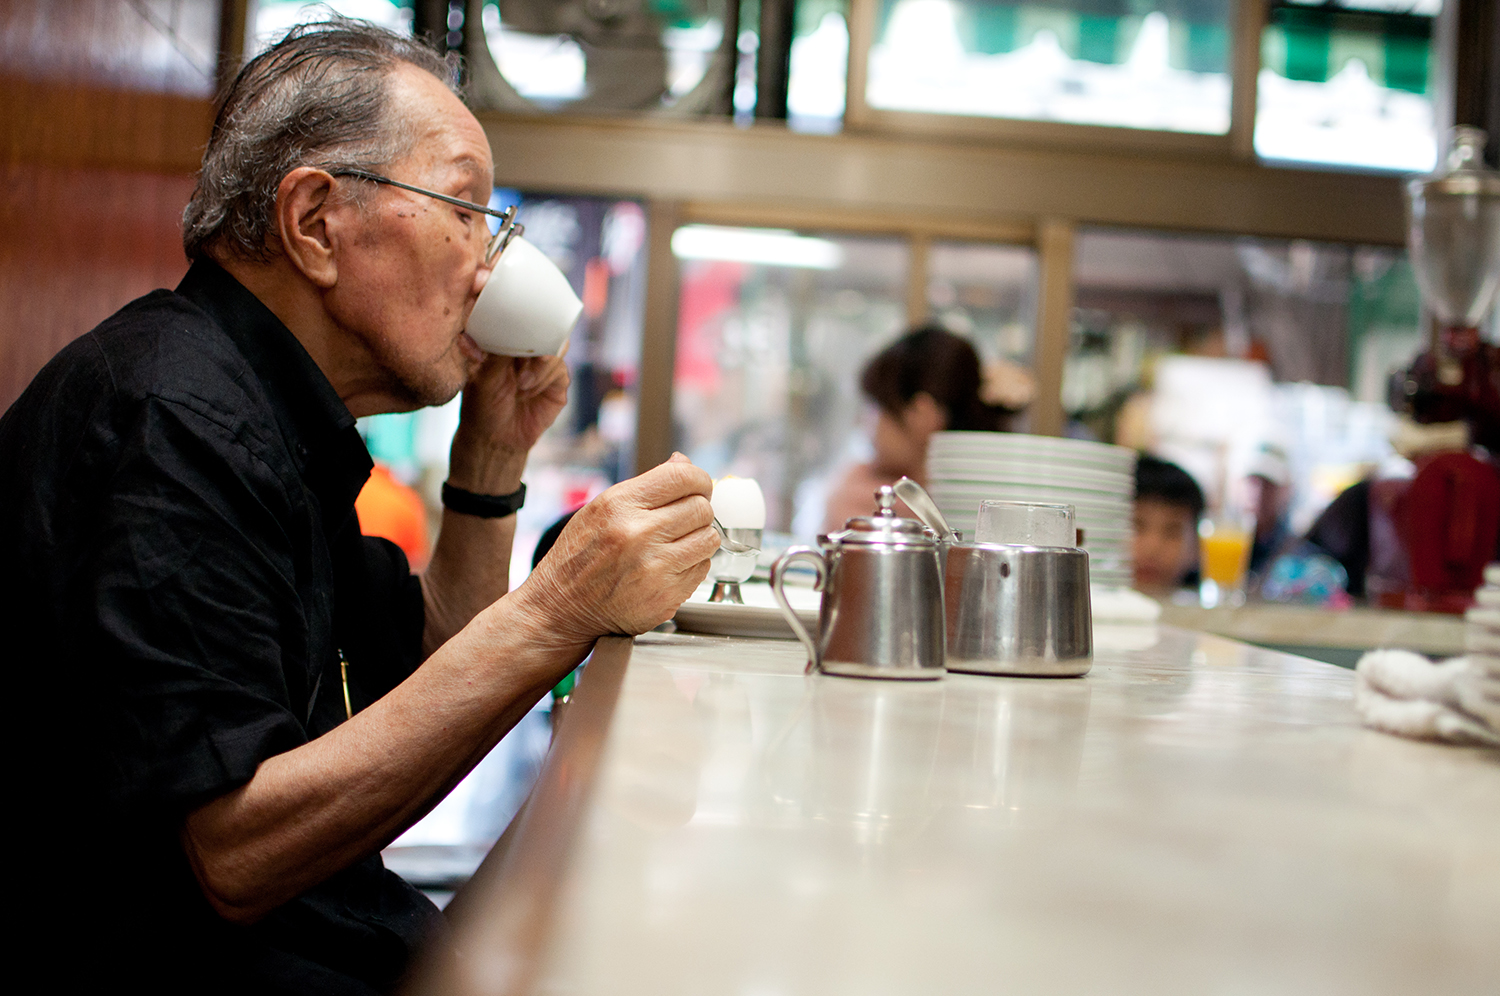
(482, 276)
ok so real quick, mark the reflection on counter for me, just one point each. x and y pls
(1150, 827)
(913, 747)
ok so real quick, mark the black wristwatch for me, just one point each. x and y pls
(483, 506)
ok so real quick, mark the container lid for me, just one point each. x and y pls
(1464, 174)
(885, 526)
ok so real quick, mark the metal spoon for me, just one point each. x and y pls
(919, 501)
(733, 546)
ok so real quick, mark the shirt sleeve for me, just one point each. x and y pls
(196, 615)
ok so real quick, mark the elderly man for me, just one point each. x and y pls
(227, 699)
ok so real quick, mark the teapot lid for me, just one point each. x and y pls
(885, 526)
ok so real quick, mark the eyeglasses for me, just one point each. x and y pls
(509, 227)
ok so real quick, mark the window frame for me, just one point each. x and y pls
(1248, 20)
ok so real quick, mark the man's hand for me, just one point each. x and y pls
(505, 409)
(629, 558)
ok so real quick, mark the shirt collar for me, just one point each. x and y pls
(318, 427)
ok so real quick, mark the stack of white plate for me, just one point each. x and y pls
(965, 468)
(1481, 694)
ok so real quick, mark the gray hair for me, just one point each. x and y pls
(319, 97)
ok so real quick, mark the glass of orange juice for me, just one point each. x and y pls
(1223, 561)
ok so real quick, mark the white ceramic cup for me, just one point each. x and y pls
(527, 308)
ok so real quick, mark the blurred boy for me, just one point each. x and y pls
(1168, 504)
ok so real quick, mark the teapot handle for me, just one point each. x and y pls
(778, 579)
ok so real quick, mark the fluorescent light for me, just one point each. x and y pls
(767, 246)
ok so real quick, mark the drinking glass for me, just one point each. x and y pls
(1224, 560)
(1025, 523)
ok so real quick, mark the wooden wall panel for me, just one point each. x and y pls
(104, 121)
(75, 245)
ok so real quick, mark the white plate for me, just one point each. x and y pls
(1085, 516)
(1035, 460)
(997, 441)
(969, 504)
(1024, 483)
(1486, 617)
(976, 490)
(973, 469)
(758, 617)
(1000, 444)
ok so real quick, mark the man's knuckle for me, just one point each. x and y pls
(634, 532)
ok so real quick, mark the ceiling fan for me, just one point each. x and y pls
(626, 62)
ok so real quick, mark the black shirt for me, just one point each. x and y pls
(182, 568)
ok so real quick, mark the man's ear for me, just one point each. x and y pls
(923, 414)
(304, 203)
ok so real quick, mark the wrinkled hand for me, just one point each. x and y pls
(506, 407)
(630, 557)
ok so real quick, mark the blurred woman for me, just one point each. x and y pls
(926, 381)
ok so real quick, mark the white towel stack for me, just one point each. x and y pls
(1457, 701)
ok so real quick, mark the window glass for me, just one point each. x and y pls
(819, 66)
(773, 330)
(1207, 350)
(1348, 82)
(273, 18)
(1157, 64)
(1385, 320)
(986, 293)
(660, 53)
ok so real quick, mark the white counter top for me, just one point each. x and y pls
(1199, 816)
(1358, 628)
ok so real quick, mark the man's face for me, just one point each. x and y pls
(1165, 544)
(413, 265)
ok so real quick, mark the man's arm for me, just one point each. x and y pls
(506, 408)
(623, 565)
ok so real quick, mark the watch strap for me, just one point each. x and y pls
(483, 506)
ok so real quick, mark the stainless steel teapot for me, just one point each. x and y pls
(882, 612)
